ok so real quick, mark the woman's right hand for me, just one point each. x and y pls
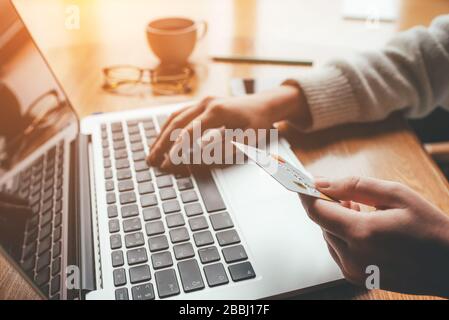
(257, 111)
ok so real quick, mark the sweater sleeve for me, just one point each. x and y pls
(410, 74)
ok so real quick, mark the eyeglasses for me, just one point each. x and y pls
(163, 81)
(43, 113)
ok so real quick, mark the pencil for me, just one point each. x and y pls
(256, 60)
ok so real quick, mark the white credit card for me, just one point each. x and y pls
(292, 178)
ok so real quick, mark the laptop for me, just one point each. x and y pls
(104, 225)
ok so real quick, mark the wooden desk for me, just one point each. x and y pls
(112, 32)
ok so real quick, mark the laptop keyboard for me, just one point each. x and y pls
(42, 184)
(163, 239)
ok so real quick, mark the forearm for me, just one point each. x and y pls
(409, 74)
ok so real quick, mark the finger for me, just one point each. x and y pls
(369, 191)
(13, 199)
(163, 142)
(350, 205)
(331, 216)
(202, 123)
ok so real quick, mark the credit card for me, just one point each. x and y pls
(289, 176)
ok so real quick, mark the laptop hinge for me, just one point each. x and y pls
(84, 213)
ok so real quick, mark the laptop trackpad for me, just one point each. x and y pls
(286, 246)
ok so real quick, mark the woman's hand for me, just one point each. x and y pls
(257, 111)
(406, 236)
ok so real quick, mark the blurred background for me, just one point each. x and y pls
(111, 32)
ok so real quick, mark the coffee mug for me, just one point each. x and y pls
(172, 40)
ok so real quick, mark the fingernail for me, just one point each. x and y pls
(322, 183)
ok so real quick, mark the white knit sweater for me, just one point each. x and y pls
(410, 74)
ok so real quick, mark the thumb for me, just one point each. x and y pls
(369, 191)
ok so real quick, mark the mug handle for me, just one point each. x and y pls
(203, 26)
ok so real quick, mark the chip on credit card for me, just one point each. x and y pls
(292, 178)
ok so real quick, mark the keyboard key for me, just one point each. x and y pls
(171, 206)
(174, 220)
(241, 271)
(107, 163)
(110, 198)
(184, 184)
(106, 153)
(198, 223)
(209, 254)
(151, 213)
(57, 233)
(143, 292)
(135, 138)
(43, 277)
(148, 200)
(139, 274)
(126, 185)
(140, 166)
(143, 176)
(137, 256)
(119, 145)
(56, 250)
(145, 188)
(159, 172)
(119, 277)
(215, 275)
(167, 194)
(193, 209)
(209, 191)
(154, 228)
(234, 254)
(130, 211)
(221, 221)
(124, 174)
(118, 136)
(43, 261)
(150, 133)
(163, 182)
(179, 235)
(114, 226)
(109, 185)
(158, 243)
(55, 285)
(46, 218)
(203, 238)
(161, 260)
(122, 164)
(121, 294)
(227, 237)
(136, 147)
(56, 266)
(133, 130)
(117, 258)
(166, 283)
(120, 154)
(190, 275)
(138, 156)
(131, 225)
(108, 174)
(183, 251)
(112, 212)
(148, 124)
(116, 127)
(115, 241)
(44, 245)
(128, 197)
(134, 240)
(189, 196)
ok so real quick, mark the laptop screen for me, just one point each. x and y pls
(33, 106)
(33, 109)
